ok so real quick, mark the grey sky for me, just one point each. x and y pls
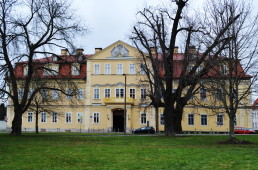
(112, 20)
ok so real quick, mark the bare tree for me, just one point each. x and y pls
(236, 71)
(168, 72)
(31, 29)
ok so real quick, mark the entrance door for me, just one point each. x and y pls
(118, 121)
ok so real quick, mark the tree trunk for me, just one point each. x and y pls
(37, 123)
(178, 120)
(157, 118)
(231, 127)
(17, 123)
(169, 127)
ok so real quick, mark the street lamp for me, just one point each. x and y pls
(125, 106)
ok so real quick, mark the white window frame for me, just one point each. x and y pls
(143, 118)
(76, 69)
(68, 117)
(96, 118)
(96, 93)
(79, 118)
(132, 93)
(220, 116)
(142, 71)
(202, 118)
(43, 117)
(25, 70)
(44, 94)
(55, 70)
(30, 117)
(119, 69)
(69, 93)
(107, 93)
(143, 93)
(97, 69)
(190, 119)
(107, 68)
(54, 117)
(131, 68)
(120, 92)
(80, 95)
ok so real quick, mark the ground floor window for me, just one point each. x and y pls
(54, 117)
(143, 118)
(43, 117)
(162, 119)
(204, 121)
(219, 119)
(96, 118)
(79, 117)
(190, 119)
(68, 117)
(30, 116)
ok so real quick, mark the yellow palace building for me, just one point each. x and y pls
(100, 102)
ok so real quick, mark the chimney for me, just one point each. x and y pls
(192, 49)
(79, 50)
(176, 49)
(97, 50)
(64, 51)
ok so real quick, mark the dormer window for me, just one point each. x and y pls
(55, 58)
(51, 70)
(25, 70)
(80, 58)
(223, 69)
(76, 69)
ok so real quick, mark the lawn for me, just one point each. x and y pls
(45, 151)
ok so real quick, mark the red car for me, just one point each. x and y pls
(242, 130)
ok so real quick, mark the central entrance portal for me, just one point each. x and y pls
(118, 120)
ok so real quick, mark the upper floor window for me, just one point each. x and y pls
(143, 93)
(51, 70)
(25, 70)
(107, 92)
(119, 92)
(69, 93)
(20, 93)
(96, 94)
(132, 68)
(44, 94)
(143, 69)
(219, 94)
(107, 69)
(199, 69)
(75, 69)
(119, 68)
(96, 69)
(80, 94)
(55, 58)
(55, 94)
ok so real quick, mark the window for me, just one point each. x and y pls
(132, 68)
(204, 120)
(199, 69)
(191, 119)
(142, 69)
(143, 118)
(162, 119)
(96, 69)
(132, 93)
(44, 94)
(20, 93)
(235, 120)
(68, 117)
(76, 70)
(143, 93)
(219, 95)
(203, 94)
(69, 93)
(219, 119)
(55, 94)
(30, 116)
(80, 94)
(119, 92)
(43, 117)
(223, 69)
(107, 69)
(107, 92)
(119, 68)
(25, 70)
(54, 58)
(79, 117)
(96, 94)
(54, 117)
(55, 70)
(96, 118)
(30, 92)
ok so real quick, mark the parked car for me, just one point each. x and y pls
(242, 130)
(148, 130)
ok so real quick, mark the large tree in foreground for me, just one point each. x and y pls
(155, 35)
(30, 29)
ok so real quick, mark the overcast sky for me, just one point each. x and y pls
(112, 20)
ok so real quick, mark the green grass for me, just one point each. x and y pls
(46, 151)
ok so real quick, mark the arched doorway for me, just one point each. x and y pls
(118, 120)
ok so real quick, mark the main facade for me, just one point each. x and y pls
(109, 83)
